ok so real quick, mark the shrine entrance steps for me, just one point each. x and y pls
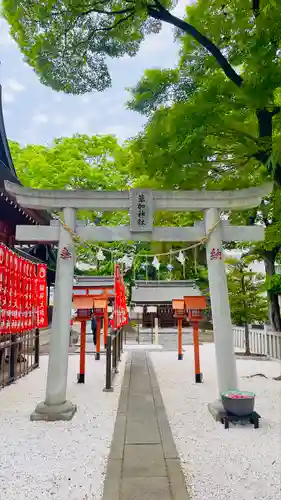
(143, 462)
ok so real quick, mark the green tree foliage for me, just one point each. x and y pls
(247, 303)
(207, 131)
(268, 251)
(216, 122)
(77, 162)
(230, 51)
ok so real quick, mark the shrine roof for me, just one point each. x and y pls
(93, 281)
(7, 169)
(159, 292)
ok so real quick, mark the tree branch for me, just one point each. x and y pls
(113, 12)
(276, 110)
(96, 11)
(162, 14)
(103, 30)
(242, 133)
(256, 8)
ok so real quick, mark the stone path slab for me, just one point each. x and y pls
(143, 462)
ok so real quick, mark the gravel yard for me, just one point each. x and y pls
(236, 464)
(59, 460)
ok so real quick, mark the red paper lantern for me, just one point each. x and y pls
(3, 292)
(42, 317)
(23, 300)
(9, 291)
(120, 312)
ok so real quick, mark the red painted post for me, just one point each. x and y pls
(81, 376)
(198, 374)
(105, 326)
(180, 356)
(98, 339)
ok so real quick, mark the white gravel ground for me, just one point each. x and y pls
(59, 460)
(241, 463)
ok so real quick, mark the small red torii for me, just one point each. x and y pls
(120, 317)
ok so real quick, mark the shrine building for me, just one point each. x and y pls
(161, 294)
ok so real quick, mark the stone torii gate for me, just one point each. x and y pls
(141, 204)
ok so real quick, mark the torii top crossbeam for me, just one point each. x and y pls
(141, 205)
(108, 201)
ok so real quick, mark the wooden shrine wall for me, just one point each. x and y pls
(165, 314)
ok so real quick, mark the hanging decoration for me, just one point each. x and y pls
(23, 293)
(156, 263)
(42, 296)
(120, 315)
(129, 261)
(181, 258)
(100, 255)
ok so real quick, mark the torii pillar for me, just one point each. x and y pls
(55, 406)
(141, 204)
(222, 324)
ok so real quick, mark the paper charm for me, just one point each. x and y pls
(100, 256)
(144, 265)
(170, 267)
(156, 263)
(127, 261)
(181, 257)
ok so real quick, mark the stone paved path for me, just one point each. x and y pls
(143, 462)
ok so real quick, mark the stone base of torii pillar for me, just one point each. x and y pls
(52, 413)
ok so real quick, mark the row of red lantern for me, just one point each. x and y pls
(23, 295)
(120, 311)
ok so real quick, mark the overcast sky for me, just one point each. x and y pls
(34, 113)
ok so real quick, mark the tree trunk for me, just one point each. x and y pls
(247, 340)
(264, 155)
(273, 298)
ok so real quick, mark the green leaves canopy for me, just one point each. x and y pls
(77, 162)
(59, 37)
(245, 287)
(67, 42)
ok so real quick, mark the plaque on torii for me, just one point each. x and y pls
(141, 204)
